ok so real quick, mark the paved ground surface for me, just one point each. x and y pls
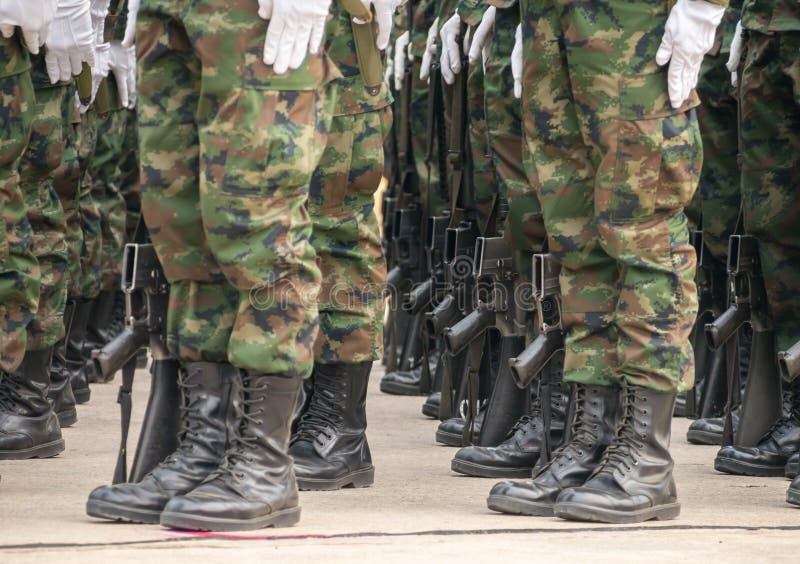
(416, 511)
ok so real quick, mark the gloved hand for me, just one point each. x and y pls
(384, 15)
(400, 58)
(735, 56)
(130, 23)
(71, 41)
(100, 70)
(450, 59)
(479, 50)
(688, 36)
(123, 65)
(388, 68)
(34, 17)
(295, 29)
(430, 51)
(99, 11)
(516, 62)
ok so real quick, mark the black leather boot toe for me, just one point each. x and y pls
(792, 469)
(431, 406)
(793, 494)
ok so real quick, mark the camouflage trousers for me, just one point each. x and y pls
(346, 238)
(770, 132)
(226, 162)
(86, 215)
(129, 173)
(19, 279)
(719, 181)
(105, 170)
(614, 166)
(39, 162)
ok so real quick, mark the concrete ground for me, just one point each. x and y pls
(418, 510)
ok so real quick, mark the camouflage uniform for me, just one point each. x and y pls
(719, 180)
(19, 289)
(227, 152)
(770, 135)
(39, 162)
(346, 235)
(614, 166)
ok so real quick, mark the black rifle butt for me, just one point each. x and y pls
(762, 403)
(161, 426)
(529, 364)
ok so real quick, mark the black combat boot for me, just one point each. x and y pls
(450, 432)
(793, 493)
(76, 361)
(633, 482)
(28, 426)
(792, 469)
(60, 394)
(98, 331)
(519, 453)
(330, 448)
(770, 455)
(431, 406)
(709, 431)
(409, 382)
(208, 392)
(594, 422)
(254, 487)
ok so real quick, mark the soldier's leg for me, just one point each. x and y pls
(30, 427)
(770, 136)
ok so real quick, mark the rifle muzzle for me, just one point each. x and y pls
(530, 363)
(461, 334)
(419, 298)
(723, 327)
(112, 357)
(444, 315)
(789, 362)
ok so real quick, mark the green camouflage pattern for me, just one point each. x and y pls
(129, 173)
(770, 133)
(719, 181)
(227, 152)
(347, 239)
(769, 16)
(19, 283)
(46, 216)
(614, 166)
(88, 213)
(484, 181)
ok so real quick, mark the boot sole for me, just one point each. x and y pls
(483, 471)
(47, 450)
(107, 510)
(359, 479)
(736, 467)
(507, 504)
(793, 496)
(703, 438)
(449, 439)
(579, 512)
(395, 389)
(68, 417)
(792, 470)
(430, 410)
(188, 522)
(82, 396)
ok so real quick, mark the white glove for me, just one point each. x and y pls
(132, 91)
(71, 40)
(735, 56)
(100, 70)
(479, 50)
(34, 17)
(296, 28)
(384, 15)
(130, 23)
(124, 68)
(516, 62)
(450, 59)
(688, 36)
(400, 57)
(388, 68)
(430, 51)
(99, 11)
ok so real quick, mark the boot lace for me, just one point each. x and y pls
(244, 440)
(621, 453)
(324, 413)
(582, 433)
(10, 397)
(191, 426)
